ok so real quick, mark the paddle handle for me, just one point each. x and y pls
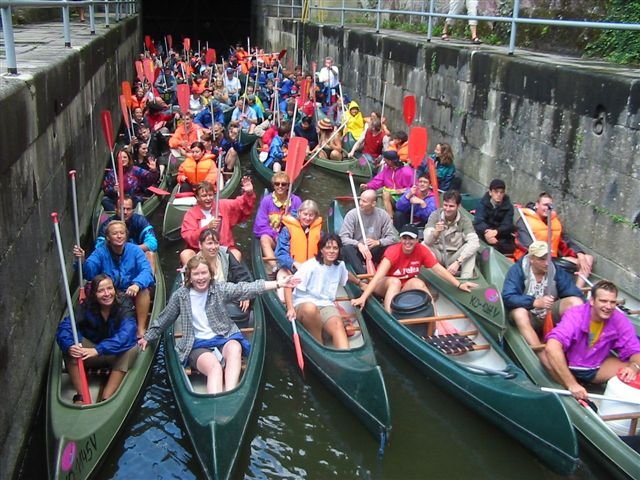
(592, 396)
(84, 383)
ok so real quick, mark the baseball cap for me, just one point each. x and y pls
(538, 249)
(409, 230)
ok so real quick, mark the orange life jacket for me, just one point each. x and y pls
(403, 150)
(196, 172)
(303, 247)
(539, 229)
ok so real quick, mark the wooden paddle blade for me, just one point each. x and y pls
(186, 45)
(158, 191)
(107, 128)
(409, 109)
(147, 42)
(418, 139)
(149, 70)
(139, 70)
(298, 347)
(211, 56)
(304, 92)
(282, 53)
(295, 158)
(433, 178)
(183, 97)
(126, 91)
(84, 383)
(170, 41)
(125, 111)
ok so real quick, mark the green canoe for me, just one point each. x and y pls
(265, 173)
(78, 436)
(483, 378)
(217, 424)
(362, 172)
(246, 140)
(352, 374)
(177, 207)
(596, 435)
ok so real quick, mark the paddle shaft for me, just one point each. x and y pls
(84, 383)
(310, 159)
(370, 267)
(592, 396)
(384, 98)
(74, 197)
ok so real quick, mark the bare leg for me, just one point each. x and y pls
(186, 255)
(388, 205)
(569, 302)
(74, 372)
(209, 365)
(236, 253)
(151, 257)
(309, 316)
(521, 318)
(230, 159)
(268, 244)
(114, 381)
(143, 303)
(232, 353)
(335, 328)
(389, 289)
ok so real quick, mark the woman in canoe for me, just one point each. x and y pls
(269, 216)
(313, 300)
(136, 180)
(107, 334)
(198, 167)
(298, 239)
(126, 264)
(209, 337)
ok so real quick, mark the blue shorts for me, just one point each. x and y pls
(584, 375)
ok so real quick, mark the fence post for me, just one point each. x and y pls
(430, 22)
(342, 16)
(378, 15)
(106, 14)
(514, 27)
(66, 26)
(92, 19)
(278, 9)
(9, 40)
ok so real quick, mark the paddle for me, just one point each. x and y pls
(418, 141)
(125, 115)
(107, 131)
(74, 196)
(183, 97)
(186, 45)
(297, 345)
(121, 185)
(147, 64)
(158, 191)
(547, 326)
(433, 178)
(384, 98)
(592, 396)
(139, 70)
(371, 269)
(149, 44)
(310, 159)
(218, 186)
(210, 56)
(170, 41)
(409, 109)
(282, 53)
(84, 383)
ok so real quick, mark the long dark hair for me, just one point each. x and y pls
(324, 239)
(92, 305)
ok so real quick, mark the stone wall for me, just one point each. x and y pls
(50, 125)
(540, 122)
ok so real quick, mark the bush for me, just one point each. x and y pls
(618, 45)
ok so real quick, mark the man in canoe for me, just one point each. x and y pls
(530, 289)
(533, 222)
(451, 236)
(578, 349)
(493, 219)
(399, 268)
(379, 230)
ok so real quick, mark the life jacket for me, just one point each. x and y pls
(539, 229)
(303, 246)
(402, 150)
(196, 172)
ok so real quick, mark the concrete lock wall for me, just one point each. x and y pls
(50, 125)
(541, 123)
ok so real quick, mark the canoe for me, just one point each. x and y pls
(217, 424)
(265, 173)
(146, 208)
(483, 378)
(177, 207)
(596, 435)
(362, 172)
(78, 436)
(246, 140)
(353, 374)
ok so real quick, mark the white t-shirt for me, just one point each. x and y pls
(208, 216)
(199, 315)
(319, 283)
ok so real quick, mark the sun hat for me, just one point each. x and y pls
(325, 124)
(538, 249)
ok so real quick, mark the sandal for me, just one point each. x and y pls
(77, 399)
(445, 37)
(476, 41)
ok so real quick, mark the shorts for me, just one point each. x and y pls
(584, 375)
(325, 312)
(121, 362)
(538, 322)
(196, 352)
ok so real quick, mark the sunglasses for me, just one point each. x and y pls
(280, 184)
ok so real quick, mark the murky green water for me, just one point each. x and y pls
(301, 431)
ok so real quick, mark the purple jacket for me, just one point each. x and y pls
(618, 334)
(398, 180)
(268, 211)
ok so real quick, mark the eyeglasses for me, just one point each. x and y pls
(280, 184)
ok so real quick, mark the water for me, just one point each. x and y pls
(300, 430)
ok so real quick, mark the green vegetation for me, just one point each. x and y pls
(617, 45)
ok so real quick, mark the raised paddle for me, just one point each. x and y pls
(418, 141)
(169, 38)
(139, 70)
(310, 159)
(126, 91)
(371, 269)
(125, 115)
(384, 98)
(147, 65)
(547, 326)
(84, 383)
(186, 45)
(107, 131)
(121, 185)
(409, 109)
(74, 196)
(433, 178)
(183, 97)
(282, 53)
(149, 43)
(592, 396)
(295, 163)
(210, 56)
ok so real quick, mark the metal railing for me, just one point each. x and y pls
(122, 8)
(302, 10)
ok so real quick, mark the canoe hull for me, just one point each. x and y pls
(217, 424)
(362, 172)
